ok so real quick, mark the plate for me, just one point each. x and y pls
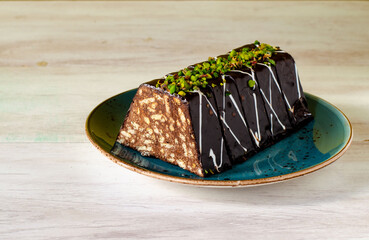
(319, 143)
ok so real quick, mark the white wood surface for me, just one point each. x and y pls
(58, 60)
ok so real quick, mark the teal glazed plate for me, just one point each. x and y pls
(319, 143)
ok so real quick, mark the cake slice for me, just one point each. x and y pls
(214, 114)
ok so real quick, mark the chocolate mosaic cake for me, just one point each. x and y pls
(214, 114)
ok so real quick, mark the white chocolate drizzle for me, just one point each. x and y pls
(225, 123)
(297, 81)
(271, 108)
(200, 122)
(211, 152)
(276, 83)
(256, 135)
(212, 155)
(238, 111)
(269, 102)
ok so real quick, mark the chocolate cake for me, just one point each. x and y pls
(214, 114)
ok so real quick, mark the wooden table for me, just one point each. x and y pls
(58, 60)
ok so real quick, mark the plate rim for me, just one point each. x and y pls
(220, 183)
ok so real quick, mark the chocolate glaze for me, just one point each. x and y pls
(291, 87)
(301, 112)
(213, 152)
(253, 108)
(273, 102)
(232, 119)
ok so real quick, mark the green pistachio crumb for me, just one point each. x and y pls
(196, 77)
(172, 88)
(232, 53)
(251, 83)
(271, 61)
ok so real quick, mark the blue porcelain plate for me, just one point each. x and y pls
(318, 144)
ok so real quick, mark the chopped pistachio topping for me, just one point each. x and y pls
(251, 83)
(196, 77)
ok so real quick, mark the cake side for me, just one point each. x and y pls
(253, 107)
(290, 84)
(214, 154)
(158, 124)
(274, 103)
(232, 119)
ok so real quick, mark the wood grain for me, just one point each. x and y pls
(58, 60)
